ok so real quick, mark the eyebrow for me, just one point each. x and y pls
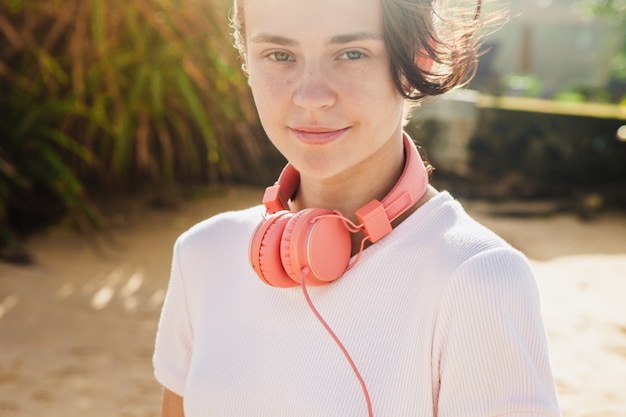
(269, 38)
(352, 37)
(335, 40)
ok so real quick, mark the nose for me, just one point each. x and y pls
(314, 90)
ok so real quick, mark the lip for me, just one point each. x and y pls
(317, 135)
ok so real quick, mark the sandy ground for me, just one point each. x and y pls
(77, 328)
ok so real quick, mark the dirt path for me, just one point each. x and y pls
(77, 328)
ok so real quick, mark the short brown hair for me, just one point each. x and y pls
(415, 30)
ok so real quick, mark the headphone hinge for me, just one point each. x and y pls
(374, 219)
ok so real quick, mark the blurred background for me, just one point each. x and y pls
(109, 98)
(543, 114)
(124, 122)
(104, 98)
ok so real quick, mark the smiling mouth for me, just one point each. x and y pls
(317, 135)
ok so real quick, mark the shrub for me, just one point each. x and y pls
(113, 95)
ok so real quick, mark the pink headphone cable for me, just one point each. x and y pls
(337, 341)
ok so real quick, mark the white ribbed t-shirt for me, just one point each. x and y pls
(441, 317)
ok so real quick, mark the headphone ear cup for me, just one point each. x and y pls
(264, 250)
(319, 240)
(291, 242)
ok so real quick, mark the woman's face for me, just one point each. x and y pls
(320, 77)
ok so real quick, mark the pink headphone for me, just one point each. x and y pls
(316, 240)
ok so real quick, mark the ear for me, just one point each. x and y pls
(424, 62)
(424, 59)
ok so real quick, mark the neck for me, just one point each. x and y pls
(352, 189)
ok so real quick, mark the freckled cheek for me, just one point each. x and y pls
(266, 96)
(271, 100)
(270, 85)
(370, 87)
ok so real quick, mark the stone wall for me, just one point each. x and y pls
(498, 153)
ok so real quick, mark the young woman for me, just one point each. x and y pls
(356, 288)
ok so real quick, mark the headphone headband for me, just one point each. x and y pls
(376, 216)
